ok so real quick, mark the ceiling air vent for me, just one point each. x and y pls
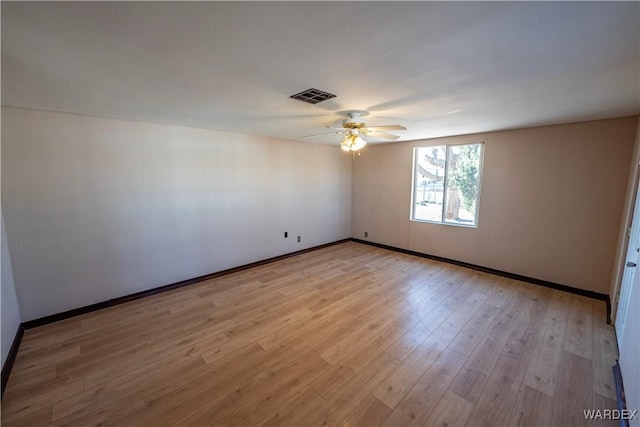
(313, 96)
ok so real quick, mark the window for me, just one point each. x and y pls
(446, 183)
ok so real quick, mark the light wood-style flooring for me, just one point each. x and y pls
(345, 335)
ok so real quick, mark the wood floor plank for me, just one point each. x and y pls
(499, 394)
(337, 291)
(282, 382)
(547, 353)
(459, 318)
(574, 393)
(605, 352)
(370, 412)
(21, 383)
(386, 336)
(344, 335)
(416, 406)
(50, 354)
(578, 339)
(122, 362)
(409, 341)
(156, 359)
(469, 337)
(452, 410)
(29, 417)
(525, 336)
(100, 400)
(533, 408)
(501, 293)
(165, 409)
(294, 410)
(362, 336)
(328, 333)
(330, 382)
(469, 383)
(603, 403)
(267, 404)
(471, 380)
(296, 329)
(208, 412)
(350, 395)
(43, 401)
(403, 378)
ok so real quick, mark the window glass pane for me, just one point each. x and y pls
(429, 183)
(463, 172)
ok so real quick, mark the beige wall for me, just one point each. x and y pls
(550, 204)
(97, 208)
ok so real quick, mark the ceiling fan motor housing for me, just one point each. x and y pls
(354, 126)
(354, 121)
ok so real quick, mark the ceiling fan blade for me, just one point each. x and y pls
(383, 135)
(320, 134)
(388, 127)
(335, 127)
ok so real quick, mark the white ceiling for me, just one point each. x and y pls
(437, 68)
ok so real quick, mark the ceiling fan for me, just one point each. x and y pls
(354, 127)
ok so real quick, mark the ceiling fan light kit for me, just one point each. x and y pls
(352, 142)
(354, 127)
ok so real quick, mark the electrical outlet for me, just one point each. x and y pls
(299, 238)
(366, 234)
(286, 234)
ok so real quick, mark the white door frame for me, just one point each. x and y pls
(630, 269)
(621, 252)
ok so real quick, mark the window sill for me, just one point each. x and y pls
(444, 223)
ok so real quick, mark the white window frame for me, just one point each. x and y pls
(444, 195)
